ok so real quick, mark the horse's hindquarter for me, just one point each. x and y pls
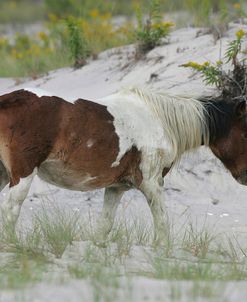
(25, 138)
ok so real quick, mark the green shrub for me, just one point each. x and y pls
(57, 227)
(150, 33)
(78, 45)
(231, 83)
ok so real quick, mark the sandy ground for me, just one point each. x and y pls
(194, 187)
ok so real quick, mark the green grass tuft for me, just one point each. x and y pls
(58, 228)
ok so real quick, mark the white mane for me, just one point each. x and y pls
(183, 119)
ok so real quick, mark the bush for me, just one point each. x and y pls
(232, 83)
(150, 33)
(78, 45)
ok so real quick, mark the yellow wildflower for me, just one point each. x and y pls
(219, 62)
(205, 64)
(94, 13)
(239, 34)
(168, 24)
(155, 25)
(43, 36)
(237, 5)
(193, 65)
(53, 18)
(19, 55)
(162, 25)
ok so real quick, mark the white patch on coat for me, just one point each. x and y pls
(90, 143)
(39, 92)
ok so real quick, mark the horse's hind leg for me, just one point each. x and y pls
(18, 191)
(112, 199)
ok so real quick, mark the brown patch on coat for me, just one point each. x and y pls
(54, 135)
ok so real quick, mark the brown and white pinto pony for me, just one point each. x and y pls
(127, 140)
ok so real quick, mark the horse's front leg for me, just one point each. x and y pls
(153, 191)
(112, 199)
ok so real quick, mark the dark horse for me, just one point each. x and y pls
(127, 140)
